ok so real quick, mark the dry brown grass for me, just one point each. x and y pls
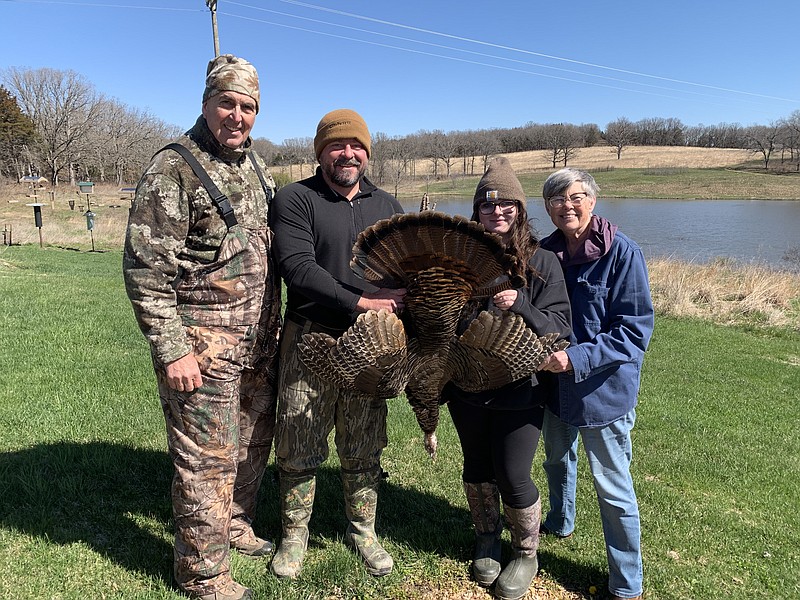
(725, 292)
(60, 225)
(597, 157)
(635, 157)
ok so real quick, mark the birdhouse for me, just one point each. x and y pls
(86, 187)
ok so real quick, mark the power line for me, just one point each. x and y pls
(462, 50)
(513, 49)
(104, 5)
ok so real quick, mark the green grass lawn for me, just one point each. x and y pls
(84, 477)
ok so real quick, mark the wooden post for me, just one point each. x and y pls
(212, 6)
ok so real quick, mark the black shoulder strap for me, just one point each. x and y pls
(219, 199)
(261, 178)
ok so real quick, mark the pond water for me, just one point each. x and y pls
(760, 231)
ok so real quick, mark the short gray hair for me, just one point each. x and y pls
(559, 181)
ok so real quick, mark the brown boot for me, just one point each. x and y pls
(484, 507)
(245, 541)
(361, 502)
(232, 591)
(516, 578)
(219, 587)
(297, 501)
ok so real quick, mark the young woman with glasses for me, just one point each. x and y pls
(499, 429)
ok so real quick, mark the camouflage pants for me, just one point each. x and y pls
(309, 408)
(219, 439)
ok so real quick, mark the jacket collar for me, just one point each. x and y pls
(596, 245)
(202, 136)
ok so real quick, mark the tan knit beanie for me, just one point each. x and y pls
(500, 178)
(228, 73)
(341, 124)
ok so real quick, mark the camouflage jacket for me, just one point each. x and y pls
(174, 230)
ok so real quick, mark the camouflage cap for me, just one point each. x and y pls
(230, 73)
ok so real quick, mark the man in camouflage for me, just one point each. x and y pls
(205, 295)
(316, 222)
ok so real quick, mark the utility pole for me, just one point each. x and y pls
(212, 6)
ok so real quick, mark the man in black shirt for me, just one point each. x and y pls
(316, 222)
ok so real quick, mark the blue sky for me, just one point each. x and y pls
(408, 65)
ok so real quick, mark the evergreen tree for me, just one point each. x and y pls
(17, 131)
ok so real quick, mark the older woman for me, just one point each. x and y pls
(599, 373)
(499, 429)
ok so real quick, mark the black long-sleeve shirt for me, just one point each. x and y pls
(315, 230)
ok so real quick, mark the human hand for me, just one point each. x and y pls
(505, 299)
(183, 375)
(558, 362)
(384, 298)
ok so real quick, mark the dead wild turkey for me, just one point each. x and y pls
(443, 261)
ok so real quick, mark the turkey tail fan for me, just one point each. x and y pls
(391, 251)
(369, 357)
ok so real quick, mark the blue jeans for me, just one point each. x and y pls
(608, 449)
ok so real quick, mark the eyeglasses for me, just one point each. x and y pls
(559, 201)
(487, 206)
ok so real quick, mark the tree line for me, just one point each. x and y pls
(55, 124)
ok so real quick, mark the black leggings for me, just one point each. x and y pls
(498, 446)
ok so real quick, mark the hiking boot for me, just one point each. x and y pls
(252, 545)
(230, 590)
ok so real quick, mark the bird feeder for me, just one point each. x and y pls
(86, 187)
(37, 218)
(90, 224)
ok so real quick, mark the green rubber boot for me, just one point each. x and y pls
(516, 578)
(297, 501)
(361, 502)
(483, 500)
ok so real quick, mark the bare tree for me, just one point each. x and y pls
(761, 139)
(63, 106)
(378, 157)
(121, 141)
(299, 151)
(443, 147)
(265, 149)
(398, 154)
(791, 137)
(562, 142)
(620, 134)
(488, 144)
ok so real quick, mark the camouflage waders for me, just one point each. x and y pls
(308, 409)
(227, 424)
(483, 500)
(516, 578)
